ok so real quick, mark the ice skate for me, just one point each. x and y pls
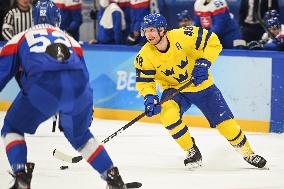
(23, 178)
(256, 160)
(193, 158)
(114, 180)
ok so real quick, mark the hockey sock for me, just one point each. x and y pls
(171, 119)
(16, 150)
(236, 137)
(96, 156)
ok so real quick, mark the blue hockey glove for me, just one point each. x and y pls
(279, 41)
(200, 71)
(152, 106)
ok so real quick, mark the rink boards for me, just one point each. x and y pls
(251, 82)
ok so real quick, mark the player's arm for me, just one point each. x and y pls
(197, 21)
(8, 65)
(276, 44)
(206, 43)
(117, 23)
(219, 17)
(211, 46)
(77, 19)
(205, 47)
(7, 28)
(145, 74)
(219, 23)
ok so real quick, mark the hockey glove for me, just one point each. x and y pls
(200, 71)
(255, 45)
(152, 106)
(279, 41)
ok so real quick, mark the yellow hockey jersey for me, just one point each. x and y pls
(173, 68)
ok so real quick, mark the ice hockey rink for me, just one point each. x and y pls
(146, 153)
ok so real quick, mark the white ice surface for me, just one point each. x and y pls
(146, 153)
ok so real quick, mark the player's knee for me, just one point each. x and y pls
(78, 141)
(170, 113)
(229, 129)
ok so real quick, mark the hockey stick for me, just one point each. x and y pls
(71, 159)
(54, 121)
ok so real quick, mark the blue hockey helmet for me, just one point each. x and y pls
(183, 15)
(271, 14)
(154, 20)
(46, 12)
(273, 23)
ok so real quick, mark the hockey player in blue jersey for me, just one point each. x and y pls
(139, 9)
(214, 16)
(184, 19)
(266, 37)
(275, 42)
(112, 25)
(54, 79)
(71, 16)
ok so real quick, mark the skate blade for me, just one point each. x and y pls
(266, 167)
(194, 165)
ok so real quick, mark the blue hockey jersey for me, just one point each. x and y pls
(112, 25)
(139, 9)
(26, 51)
(71, 16)
(126, 8)
(275, 44)
(215, 17)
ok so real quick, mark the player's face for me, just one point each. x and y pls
(23, 4)
(152, 35)
(275, 31)
(185, 22)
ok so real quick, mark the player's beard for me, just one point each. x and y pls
(160, 39)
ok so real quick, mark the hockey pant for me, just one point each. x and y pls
(212, 104)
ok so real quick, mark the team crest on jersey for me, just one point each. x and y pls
(179, 77)
(183, 63)
(169, 72)
(182, 77)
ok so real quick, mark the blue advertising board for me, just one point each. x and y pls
(251, 82)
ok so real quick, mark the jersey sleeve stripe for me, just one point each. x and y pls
(141, 79)
(12, 46)
(145, 72)
(219, 11)
(206, 39)
(124, 4)
(68, 7)
(211, 13)
(79, 51)
(141, 5)
(199, 38)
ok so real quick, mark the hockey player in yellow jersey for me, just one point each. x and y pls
(173, 58)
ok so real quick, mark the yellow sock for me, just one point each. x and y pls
(233, 133)
(172, 121)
